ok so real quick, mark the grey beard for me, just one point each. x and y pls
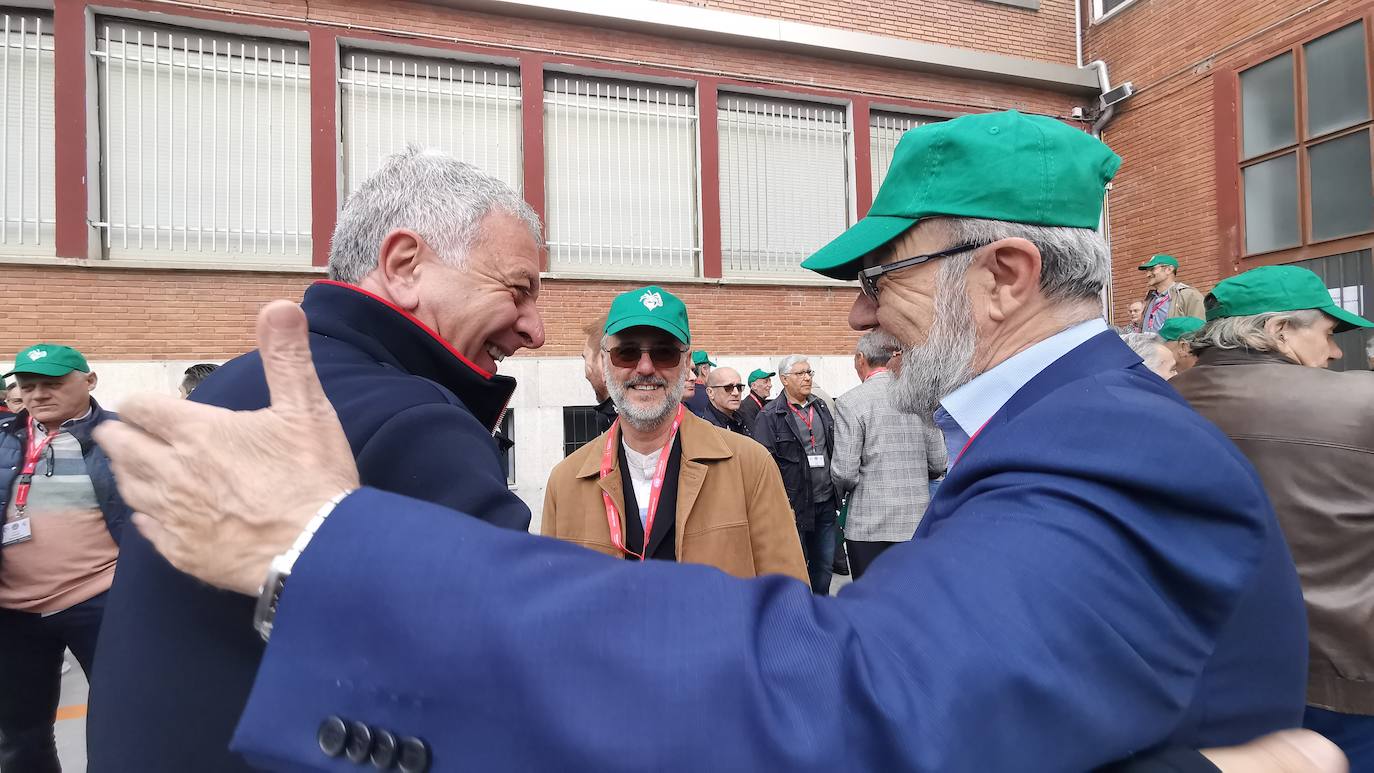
(639, 418)
(944, 363)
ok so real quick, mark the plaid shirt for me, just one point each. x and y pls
(884, 458)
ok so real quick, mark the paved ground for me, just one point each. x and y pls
(71, 720)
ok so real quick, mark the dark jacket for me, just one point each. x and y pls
(606, 414)
(699, 404)
(749, 409)
(177, 657)
(1310, 434)
(14, 438)
(718, 417)
(778, 433)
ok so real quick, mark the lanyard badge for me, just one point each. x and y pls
(20, 529)
(655, 486)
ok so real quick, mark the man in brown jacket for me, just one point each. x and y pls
(1167, 296)
(702, 495)
(1310, 434)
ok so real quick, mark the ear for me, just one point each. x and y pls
(1011, 280)
(90, 380)
(399, 262)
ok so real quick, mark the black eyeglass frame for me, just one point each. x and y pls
(868, 277)
(729, 387)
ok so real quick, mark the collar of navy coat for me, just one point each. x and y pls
(392, 336)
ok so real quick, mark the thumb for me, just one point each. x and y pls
(283, 340)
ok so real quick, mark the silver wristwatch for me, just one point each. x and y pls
(269, 595)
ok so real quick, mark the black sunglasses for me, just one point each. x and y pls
(629, 355)
(868, 277)
(727, 387)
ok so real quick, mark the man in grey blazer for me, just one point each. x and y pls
(884, 458)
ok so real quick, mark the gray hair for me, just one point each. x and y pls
(878, 347)
(1147, 345)
(786, 364)
(442, 199)
(1369, 347)
(1249, 332)
(1074, 262)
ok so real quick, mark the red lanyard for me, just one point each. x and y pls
(1154, 306)
(969, 443)
(875, 372)
(655, 486)
(756, 399)
(32, 454)
(809, 420)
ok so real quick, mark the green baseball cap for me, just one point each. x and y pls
(758, 374)
(996, 166)
(1277, 288)
(701, 357)
(651, 306)
(49, 360)
(1175, 328)
(1159, 260)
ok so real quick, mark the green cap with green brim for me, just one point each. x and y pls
(1175, 328)
(49, 360)
(650, 306)
(994, 166)
(758, 374)
(1159, 260)
(1277, 288)
(702, 357)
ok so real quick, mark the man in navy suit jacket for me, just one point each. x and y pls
(1063, 604)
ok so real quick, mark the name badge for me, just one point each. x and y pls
(16, 532)
(816, 460)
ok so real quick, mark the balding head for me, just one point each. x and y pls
(725, 388)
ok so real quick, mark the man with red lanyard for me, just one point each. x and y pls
(700, 495)
(62, 523)
(1167, 297)
(760, 392)
(798, 430)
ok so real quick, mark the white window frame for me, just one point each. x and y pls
(32, 143)
(1098, 15)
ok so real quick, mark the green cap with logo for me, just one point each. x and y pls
(49, 360)
(1175, 328)
(1159, 260)
(995, 166)
(1277, 288)
(702, 357)
(650, 306)
(758, 374)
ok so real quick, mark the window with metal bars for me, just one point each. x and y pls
(469, 111)
(27, 200)
(507, 431)
(579, 427)
(784, 183)
(885, 131)
(204, 145)
(1350, 279)
(621, 177)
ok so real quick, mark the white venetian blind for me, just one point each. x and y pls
(205, 145)
(885, 131)
(27, 201)
(469, 111)
(784, 183)
(621, 177)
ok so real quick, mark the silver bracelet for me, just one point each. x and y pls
(269, 595)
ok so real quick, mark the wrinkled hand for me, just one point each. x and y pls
(1288, 751)
(221, 493)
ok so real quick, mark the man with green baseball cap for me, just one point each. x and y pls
(1176, 332)
(1263, 378)
(760, 392)
(698, 402)
(649, 463)
(63, 519)
(1166, 297)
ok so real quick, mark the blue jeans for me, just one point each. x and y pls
(1354, 733)
(818, 548)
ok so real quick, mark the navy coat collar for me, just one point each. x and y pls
(394, 337)
(1103, 352)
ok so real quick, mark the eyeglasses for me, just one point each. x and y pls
(727, 387)
(868, 277)
(801, 374)
(629, 355)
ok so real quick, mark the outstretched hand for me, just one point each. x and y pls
(220, 493)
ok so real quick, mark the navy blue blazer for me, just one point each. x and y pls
(177, 658)
(1100, 575)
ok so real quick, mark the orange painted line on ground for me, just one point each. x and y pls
(71, 712)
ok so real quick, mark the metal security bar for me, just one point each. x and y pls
(885, 131)
(621, 177)
(471, 112)
(205, 145)
(784, 183)
(1349, 277)
(27, 200)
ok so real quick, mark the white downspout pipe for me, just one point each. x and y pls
(1104, 84)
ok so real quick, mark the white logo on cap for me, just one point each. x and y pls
(37, 354)
(651, 300)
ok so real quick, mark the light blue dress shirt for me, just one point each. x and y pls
(965, 410)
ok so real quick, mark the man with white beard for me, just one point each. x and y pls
(1060, 608)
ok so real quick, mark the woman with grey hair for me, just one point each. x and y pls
(1153, 349)
(1262, 378)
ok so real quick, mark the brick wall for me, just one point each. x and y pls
(1165, 197)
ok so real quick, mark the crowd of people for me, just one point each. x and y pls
(341, 577)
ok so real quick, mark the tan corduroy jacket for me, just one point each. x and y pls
(732, 512)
